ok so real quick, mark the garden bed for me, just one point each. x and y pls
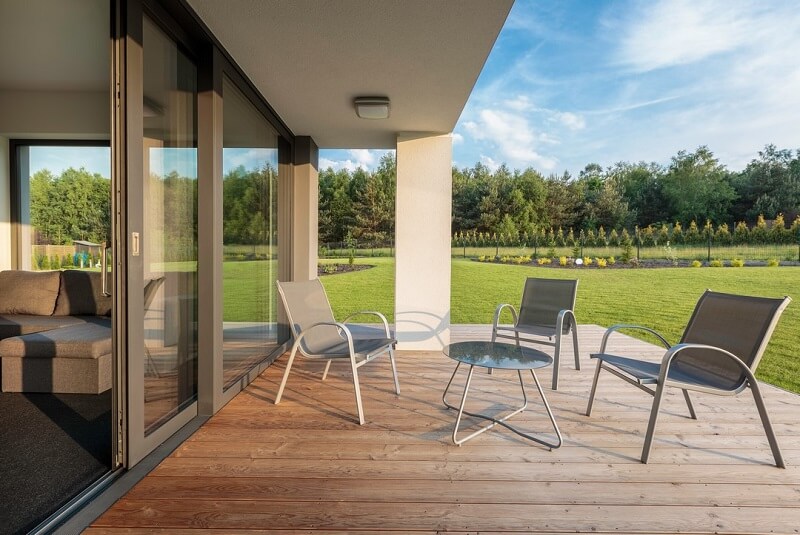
(335, 269)
(649, 263)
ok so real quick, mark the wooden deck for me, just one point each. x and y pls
(306, 466)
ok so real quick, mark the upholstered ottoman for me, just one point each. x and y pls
(70, 360)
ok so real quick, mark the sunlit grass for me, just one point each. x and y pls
(659, 298)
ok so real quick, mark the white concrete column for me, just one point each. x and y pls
(422, 240)
(305, 209)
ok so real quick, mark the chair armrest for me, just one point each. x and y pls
(499, 310)
(341, 326)
(570, 315)
(372, 313)
(675, 350)
(626, 326)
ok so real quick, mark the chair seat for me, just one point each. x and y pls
(362, 330)
(646, 373)
(363, 347)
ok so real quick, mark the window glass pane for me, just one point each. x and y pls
(169, 237)
(68, 205)
(250, 252)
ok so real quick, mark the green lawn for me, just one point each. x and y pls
(660, 298)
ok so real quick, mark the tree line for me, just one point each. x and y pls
(691, 194)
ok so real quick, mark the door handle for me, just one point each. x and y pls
(104, 269)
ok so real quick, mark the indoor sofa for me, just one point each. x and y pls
(55, 332)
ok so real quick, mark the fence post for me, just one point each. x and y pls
(638, 246)
(709, 247)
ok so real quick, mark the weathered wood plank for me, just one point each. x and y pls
(445, 491)
(246, 514)
(306, 466)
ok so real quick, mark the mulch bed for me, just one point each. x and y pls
(335, 269)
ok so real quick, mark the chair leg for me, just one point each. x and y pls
(556, 360)
(594, 387)
(394, 371)
(286, 374)
(327, 367)
(692, 414)
(357, 388)
(575, 346)
(651, 425)
(151, 362)
(762, 412)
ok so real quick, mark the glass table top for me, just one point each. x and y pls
(498, 355)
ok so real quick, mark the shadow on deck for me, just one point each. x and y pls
(306, 466)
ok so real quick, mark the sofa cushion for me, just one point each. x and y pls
(85, 340)
(29, 292)
(81, 293)
(19, 324)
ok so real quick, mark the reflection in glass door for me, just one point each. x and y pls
(250, 252)
(168, 243)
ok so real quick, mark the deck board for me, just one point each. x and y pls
(306, 466)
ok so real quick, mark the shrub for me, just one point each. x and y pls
(715, 263)
(671, 255)
(329, 268)
(627, 252)
(737, 262)
(611, 260)
(562, 261)
(697, 263)
(587, 260)
(773, 262)
(543, 261)
(601, 262)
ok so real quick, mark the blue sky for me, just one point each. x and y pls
(574, 82)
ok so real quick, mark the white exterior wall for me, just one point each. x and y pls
(422, 237)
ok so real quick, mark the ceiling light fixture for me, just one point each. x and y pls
(372, 107)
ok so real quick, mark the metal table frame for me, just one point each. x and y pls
(499, 421)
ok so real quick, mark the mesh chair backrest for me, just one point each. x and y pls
(739, 324)
(150, 290)
(306, 304)
(543, 299)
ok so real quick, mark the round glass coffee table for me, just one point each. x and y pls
(501, 356)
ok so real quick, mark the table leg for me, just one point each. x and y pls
(499, 421)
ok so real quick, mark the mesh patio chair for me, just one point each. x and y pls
(318, 335)
(150, 290)
(718, 354)
(546, 311)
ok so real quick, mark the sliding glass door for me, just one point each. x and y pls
(161, 237)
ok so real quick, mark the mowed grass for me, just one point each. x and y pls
(659, 298)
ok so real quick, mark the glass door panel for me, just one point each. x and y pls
(250, 252)
(168, 243)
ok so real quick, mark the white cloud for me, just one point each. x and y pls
(521, 103)
(490, 162)
(351, 159)
(570, 120)
(458, 139)
(364, 157)
(678, 32)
